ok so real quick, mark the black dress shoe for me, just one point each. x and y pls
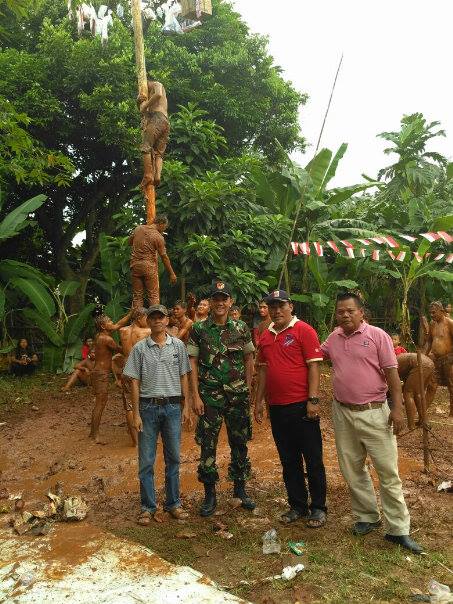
(406, 542)
(363, 528)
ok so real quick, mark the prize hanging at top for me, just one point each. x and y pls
(177, 17)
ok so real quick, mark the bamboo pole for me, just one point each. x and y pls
(148, 167)
(423, 409)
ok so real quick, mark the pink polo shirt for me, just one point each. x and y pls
(358, 361)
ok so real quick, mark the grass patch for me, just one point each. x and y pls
(17, 392)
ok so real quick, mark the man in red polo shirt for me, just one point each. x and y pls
(288, 378)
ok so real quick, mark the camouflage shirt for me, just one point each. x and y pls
(220, 350)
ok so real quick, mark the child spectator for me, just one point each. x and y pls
(396, 344)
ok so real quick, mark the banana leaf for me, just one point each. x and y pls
(45, 325)
(76, 323)
(17, 219)
(37, 294)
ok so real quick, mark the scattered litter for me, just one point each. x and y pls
(408, 559)
(296, 547)
(439, 592)
(34, 408)
(220, 513)
(219, 526)
(59, 509)
(289, 572)
(224, 534)
(74, 508)
(271, 542)
(185, 535)
(446, 486)
(2, 424)
(26, 579)
(235, 502)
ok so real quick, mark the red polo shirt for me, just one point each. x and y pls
(287, 354)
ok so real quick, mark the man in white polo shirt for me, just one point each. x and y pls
(158, 367)
(364, 369)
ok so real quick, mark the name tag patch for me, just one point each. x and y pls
(289, 339)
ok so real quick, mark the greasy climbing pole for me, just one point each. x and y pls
(148, 165)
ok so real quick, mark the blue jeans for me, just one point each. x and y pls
(166, 420)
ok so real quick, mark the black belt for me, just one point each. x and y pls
(163, 400)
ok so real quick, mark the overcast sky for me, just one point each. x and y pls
(397, 60)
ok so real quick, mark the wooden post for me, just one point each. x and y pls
(423, 406)
(148, 167)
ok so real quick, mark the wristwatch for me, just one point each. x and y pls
(314, 400)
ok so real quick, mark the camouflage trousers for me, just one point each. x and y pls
(236, 413)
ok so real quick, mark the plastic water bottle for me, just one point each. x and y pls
(271, 542)
(439, 592)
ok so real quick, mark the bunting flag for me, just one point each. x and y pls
(431, 237)
(318, 248)
(445, 236)
(305, 248)
(388, 240)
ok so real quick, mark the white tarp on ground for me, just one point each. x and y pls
(95, 568)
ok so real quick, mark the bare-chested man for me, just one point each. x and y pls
(202, 310)
(263, 310)
(147, 242)
(155, 126)
(129, 336)
(440, 347)
(82, 372)
(408, 372)
(183, 322)
(104, 349)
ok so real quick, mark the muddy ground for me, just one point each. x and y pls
(44, 440)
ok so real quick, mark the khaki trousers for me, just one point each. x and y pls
(358, 433)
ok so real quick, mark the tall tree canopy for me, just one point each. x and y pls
(80, 98)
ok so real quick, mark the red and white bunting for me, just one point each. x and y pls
(439, 257)
(318, 248)
(408, 238)
(295, 247)
(401, 256)
(375, 255)
(305, 248)
(417, 256)
(431, 236)
(347, 244)
(390, 241)
(449, 258)
(445, 236)
(379, 240)
(350, 252)
(391, 254)
(333, 246)
(363, 252)
(364, 241)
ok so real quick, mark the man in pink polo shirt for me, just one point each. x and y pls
(364, 368)
(288, 378)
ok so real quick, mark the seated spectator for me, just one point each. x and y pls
(397, 345)
(25, 359)
(88, 344)
(82, 372)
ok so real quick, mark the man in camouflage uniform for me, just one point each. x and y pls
(221, 355)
